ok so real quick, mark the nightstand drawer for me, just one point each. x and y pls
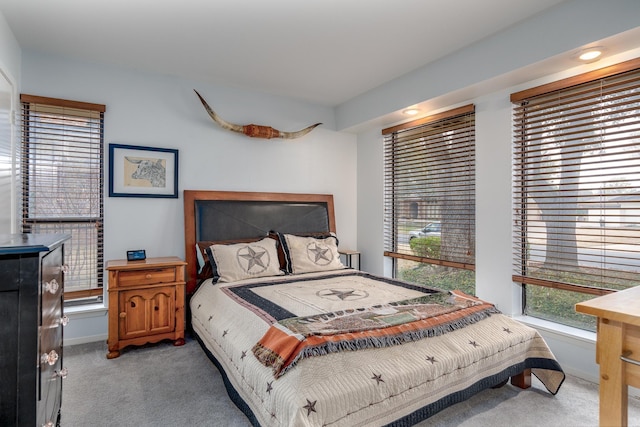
(147, 276)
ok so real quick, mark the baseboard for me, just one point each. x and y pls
(84, 340)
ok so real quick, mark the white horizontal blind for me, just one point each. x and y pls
(577, 185)
(62, 178)
(430, 179)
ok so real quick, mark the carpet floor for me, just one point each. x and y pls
(164, 385)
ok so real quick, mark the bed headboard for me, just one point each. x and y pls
(228, 216)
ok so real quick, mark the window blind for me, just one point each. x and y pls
(62, 183)
(577, 182)
(430, 182)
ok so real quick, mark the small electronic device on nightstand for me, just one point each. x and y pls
(137, 255)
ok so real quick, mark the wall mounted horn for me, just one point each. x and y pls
(254, 131)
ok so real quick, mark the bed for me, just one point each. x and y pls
(325, 345)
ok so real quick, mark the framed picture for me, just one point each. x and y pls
(142, 171)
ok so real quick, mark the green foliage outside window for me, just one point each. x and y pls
(427, 247)
(436, 276)
(557, 305)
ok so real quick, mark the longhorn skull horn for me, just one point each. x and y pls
(255, 131)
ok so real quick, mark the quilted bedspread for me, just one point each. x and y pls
(400, 381)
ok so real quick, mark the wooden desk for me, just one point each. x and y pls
(617, 350)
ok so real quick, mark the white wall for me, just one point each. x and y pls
(10, 63)
(163, 111)
(370, 201)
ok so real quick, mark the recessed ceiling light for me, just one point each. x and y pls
(410, 111)
(590, 54)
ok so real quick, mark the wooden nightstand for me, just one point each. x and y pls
(146, 302)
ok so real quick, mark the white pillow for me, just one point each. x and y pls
(244, 260)
(309, 254)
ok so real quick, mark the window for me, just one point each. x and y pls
(577, 191)
(62, 183)
(429, 201)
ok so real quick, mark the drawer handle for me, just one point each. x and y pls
(51, 358)
(52, 286)
(625, 358)
(64, 320)
(148, 276)
(62, 373)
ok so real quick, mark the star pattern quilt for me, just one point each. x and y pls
(403, 380)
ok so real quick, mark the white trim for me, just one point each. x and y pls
(85, 340)
(87, 323)
(556, 328)
(85, 310)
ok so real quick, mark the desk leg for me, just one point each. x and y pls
(613, 388)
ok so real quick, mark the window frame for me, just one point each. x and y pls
(34, 108)
(392, 136)
(566, 91)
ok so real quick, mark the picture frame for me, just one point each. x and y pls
(136, 171)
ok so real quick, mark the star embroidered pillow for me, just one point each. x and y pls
(309, 254)
(244, 260)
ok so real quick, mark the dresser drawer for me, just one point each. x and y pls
(631, 345)
(51, 293)
(146, 276)
(50, 364)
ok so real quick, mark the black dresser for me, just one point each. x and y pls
(31, 309)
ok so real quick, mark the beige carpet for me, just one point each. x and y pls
(178, 386)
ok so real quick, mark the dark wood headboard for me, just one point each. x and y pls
(227, 216)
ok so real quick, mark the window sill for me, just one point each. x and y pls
(556, 328)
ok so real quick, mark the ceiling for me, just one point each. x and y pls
(320, 51)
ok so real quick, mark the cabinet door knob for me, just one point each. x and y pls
(62, 373)
(64, 320)
(52, 286)
(51, 358)
(123, 314)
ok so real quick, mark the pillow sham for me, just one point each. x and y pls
(244, 260)
(304, 254)
(279, 238)
(205, 271)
